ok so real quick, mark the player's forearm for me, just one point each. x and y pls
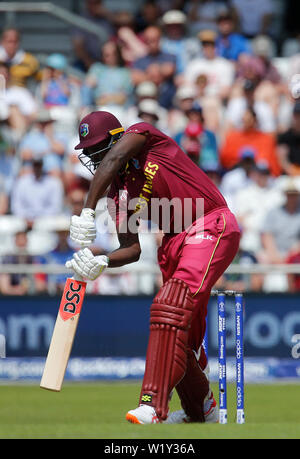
(124, 256)
(102, 179)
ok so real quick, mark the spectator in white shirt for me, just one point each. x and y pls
(280, 229)
(37, 194)
(253, 203)
(18, 106)
(218, 71)
(236, 108)
(238, 178)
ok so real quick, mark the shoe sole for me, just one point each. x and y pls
(133, 419)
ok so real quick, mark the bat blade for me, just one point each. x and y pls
(63, 335)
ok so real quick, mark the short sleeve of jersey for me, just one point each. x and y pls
(138, 128)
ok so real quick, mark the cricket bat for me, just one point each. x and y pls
(63, 334)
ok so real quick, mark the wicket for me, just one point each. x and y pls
(239, 348)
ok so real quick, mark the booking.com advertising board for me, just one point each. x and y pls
(112, 335)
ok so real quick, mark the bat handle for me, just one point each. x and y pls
(77, 277)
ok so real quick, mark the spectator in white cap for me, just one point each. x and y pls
(175, 40)
(147, 90)
(219, 72)
(151, 112)
(183, 102)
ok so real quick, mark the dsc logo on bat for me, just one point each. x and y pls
(72, 298)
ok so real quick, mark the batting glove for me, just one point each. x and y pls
(86, 265)
(83, 228)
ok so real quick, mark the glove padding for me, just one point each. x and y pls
(86, 265)
(83, 228)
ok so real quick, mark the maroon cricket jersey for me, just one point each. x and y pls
(163, 170)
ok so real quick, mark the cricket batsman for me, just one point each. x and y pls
(138, 167)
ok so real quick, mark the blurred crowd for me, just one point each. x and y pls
(213, 75)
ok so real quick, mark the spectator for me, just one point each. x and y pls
(199, 143)
(176, 42)
(18, 106)
(75, 200)
(230, 44)
(249, 135)
(237, 105)
(22, 65)
(264, 50)
(9, 162)
(148, 111)
(203, 14)
(42, 139)
(239, 177)
(148, 15)
(281, 227)
(254, 16)
(55, 88)
(37, 194)
(156, 66)
(213, 107)
(132, 46)
(108, 83)
(3, 197)
(60, 254)
(87, 45)
(183, 102)
(75, 174)
(249, 67)
(288, 145)
(252, 203)
(271, 88)
(219, 71)
(147, 91)
(20, 284)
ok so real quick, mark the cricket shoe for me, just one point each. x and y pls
(144, 414)
(211, 414)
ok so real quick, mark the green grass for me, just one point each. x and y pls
(98, 411)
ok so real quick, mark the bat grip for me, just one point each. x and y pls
(77, 277)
